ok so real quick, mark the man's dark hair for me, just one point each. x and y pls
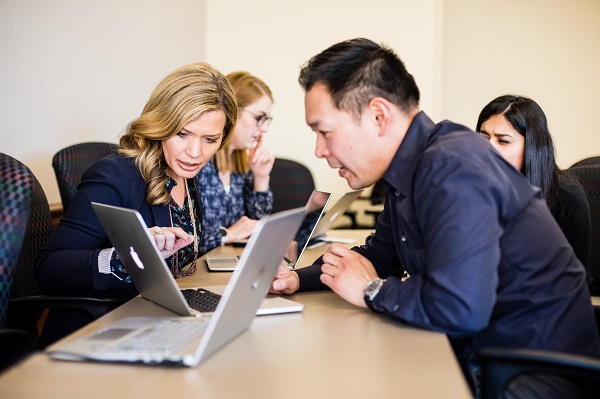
(357, 70)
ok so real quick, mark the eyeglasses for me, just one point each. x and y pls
(261, 118)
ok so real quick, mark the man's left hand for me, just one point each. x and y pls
(347, 273)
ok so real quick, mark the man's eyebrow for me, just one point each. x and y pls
(313, 125)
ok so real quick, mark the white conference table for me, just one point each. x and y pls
(330, 350)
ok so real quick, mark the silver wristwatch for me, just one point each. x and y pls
(371, 292)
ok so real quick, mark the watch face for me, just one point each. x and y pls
(373, 288)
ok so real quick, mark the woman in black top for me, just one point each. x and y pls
(516, 126)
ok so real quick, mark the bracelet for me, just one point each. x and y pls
(224, 235)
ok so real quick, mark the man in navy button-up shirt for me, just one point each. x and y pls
(488, 264)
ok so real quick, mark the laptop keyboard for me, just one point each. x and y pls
(164, 337)
(202, 300)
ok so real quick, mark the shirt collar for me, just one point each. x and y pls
(404, 162)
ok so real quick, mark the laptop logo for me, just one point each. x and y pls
(257, 281)
(136, 258)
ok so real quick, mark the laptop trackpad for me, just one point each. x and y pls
(221, 263)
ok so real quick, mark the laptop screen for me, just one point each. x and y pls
(314, 210)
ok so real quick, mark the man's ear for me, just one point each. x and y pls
(380, 112)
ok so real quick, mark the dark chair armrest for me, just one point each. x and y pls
(499, 366)
(91, 305)
(14, 345)
(62, 301)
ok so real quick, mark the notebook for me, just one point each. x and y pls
(327, 221)
(315, 207)
(184, 340)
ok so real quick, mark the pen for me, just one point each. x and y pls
(290, 264)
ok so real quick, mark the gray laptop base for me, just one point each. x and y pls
(237, 308)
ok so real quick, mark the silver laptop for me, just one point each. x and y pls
(184, 341)
(315, 207)
(337, 210)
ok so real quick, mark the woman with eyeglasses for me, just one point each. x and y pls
(234, 186)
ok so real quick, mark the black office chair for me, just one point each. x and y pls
(71, 162)
(14, 211)
(27, 301)
(587, 161)
(371, 205)
(291, 183)
(501, 366)
(589, 177)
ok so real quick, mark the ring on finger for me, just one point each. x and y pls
(158, 230)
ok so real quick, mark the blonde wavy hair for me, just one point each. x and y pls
(182, 96)
(247, 88)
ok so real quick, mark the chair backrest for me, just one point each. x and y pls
(26, 224)
(291, 184)
(71, 162)
(15, 200)
(589, 178)
(501, 366)
(587, 161)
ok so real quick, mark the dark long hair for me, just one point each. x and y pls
(527, 118)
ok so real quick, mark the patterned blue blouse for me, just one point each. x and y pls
(180, 217)
(222, 209)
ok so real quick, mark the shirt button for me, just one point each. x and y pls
(397, 193)
(396, 308)
(403, 238)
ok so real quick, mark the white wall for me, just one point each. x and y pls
(546, 50)
(73, 70)
(272, 39)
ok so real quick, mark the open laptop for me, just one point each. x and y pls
(154, 281)
(314, 211)
(315, 207)
(327, 221)
(184, 341)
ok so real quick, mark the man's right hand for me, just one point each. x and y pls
(286, 281)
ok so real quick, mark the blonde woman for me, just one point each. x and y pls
(235, 185)
(190, 115)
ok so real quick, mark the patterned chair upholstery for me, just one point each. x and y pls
(71, 162)
(291, 184)
(587, 161)
(15, 201)
(27, 301)
(589, 178)
(16, 198)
